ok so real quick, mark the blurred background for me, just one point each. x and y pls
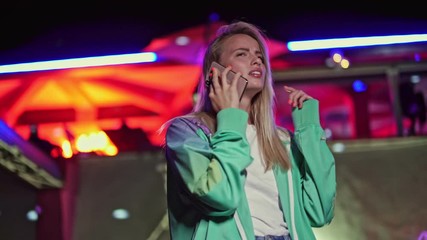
(85, 86)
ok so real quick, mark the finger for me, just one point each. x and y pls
(302, 99)
(291, 98)
(289, 89)
(236, 79)
(224, 78)
(211, 91)
(299, 98)
(294, 97)
(215, 80)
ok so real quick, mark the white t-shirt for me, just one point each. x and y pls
(262, 194)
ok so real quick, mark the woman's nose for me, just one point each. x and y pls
(257, 61)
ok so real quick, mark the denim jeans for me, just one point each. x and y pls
(271, 237)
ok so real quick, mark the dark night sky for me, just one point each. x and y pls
(43, 30)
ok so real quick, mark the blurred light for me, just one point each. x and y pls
(182, 41)
(359, 86)
(417, 57)
(344, 63)
(67, 150)
(32, 215)
(97, 142)
(415, 79)
(111, 150)
(120, 213)
(354, 42)
(38, 209)
(337, 57)
(80, 62)
(337, 60)
(213, 17)
(328, 133)
(338, 147)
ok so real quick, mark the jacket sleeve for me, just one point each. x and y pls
(210, 168)
(317, 167)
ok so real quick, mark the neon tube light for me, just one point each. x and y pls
(80, 62)
(354, 42)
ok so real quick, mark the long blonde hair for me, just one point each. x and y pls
(262, 105)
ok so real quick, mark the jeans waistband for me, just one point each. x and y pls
(271, 237)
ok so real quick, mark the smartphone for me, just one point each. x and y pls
(241, 85)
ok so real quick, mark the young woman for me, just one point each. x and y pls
(232, 173)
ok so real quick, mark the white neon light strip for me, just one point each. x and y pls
(80, 62)
(354, 42)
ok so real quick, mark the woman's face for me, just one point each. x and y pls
(243, 54)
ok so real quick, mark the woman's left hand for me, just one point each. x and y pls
(296, 97)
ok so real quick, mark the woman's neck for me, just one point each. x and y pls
(246, 106)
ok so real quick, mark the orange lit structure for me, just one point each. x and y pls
(75, 103)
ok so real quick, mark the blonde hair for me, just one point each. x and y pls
(262, 105)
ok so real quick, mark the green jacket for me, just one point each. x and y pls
(206, 177)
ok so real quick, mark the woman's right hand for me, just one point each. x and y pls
(222, 93)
